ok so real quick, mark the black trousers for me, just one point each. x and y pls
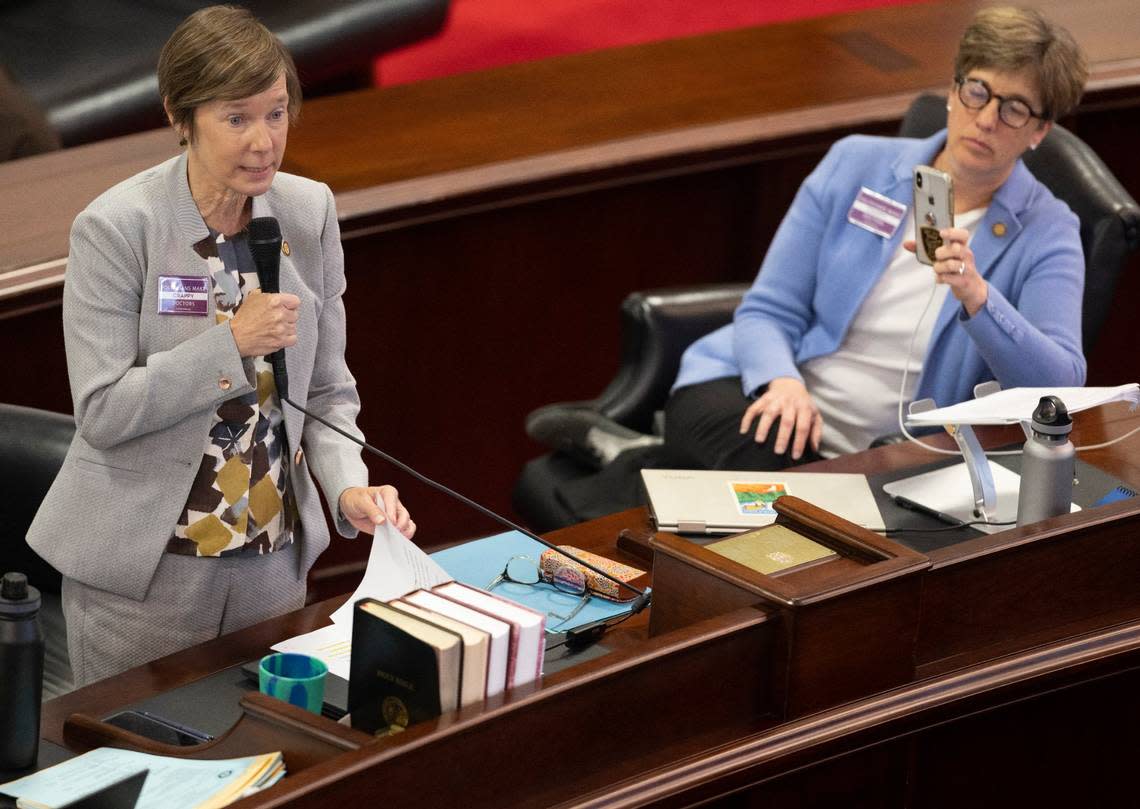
(702, 431)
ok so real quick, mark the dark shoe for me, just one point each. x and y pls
(584, 433)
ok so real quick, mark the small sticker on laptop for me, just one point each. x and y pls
(756, 499)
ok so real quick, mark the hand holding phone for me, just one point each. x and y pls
(933, 210)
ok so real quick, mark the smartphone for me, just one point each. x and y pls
(933, 210)
(157, 728)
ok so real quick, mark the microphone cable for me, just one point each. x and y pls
(989, 453)
(637, 605)
(265, 245)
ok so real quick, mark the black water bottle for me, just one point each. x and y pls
(21, 672)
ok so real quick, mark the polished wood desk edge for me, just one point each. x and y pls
(624, 153)
(1063, 527)
(614, 664)
(481, 723)
(752, 129)
(259, 713)
(508, 181)
(404, 203)
(181, 668)
(884, 716)
(106, 696)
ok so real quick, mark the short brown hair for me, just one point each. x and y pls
(1015, 39)
(221, 53)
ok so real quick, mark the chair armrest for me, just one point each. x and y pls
(33, 444)
(657, 326)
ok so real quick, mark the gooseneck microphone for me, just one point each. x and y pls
(637, 605)
(265, 245)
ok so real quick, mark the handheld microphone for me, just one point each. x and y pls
(637, 605)
(265, 245)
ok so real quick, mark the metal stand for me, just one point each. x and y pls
(984, 490)
(981, 477)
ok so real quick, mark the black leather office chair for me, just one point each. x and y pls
(658, 325)
(91, 66)
(33, 444)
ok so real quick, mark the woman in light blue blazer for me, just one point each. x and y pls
(841, 311)
(187, 506)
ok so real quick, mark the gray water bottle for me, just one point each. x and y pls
(1047, 464)
(21, 672)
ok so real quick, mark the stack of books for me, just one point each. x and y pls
(437, 650)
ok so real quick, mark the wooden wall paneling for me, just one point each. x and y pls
(35, 368)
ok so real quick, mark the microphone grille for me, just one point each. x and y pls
(264, 238)
(264, 229)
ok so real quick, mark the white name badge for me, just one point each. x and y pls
(183, 295)
(876, 213)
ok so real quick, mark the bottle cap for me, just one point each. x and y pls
(1052, 417)
(17, 597)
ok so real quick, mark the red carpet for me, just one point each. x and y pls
(487, 33)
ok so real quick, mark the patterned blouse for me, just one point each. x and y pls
(241, 501)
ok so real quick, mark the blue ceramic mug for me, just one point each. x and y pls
(294, 678)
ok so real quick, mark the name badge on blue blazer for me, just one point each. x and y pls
(183, 295)
(876, 213)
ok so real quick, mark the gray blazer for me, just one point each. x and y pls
(145, 386)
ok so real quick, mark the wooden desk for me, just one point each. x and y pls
(1025, 655)
(494, 221)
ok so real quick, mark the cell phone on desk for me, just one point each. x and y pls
(157, 728)
(933, 210)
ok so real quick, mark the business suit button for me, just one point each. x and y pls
(298, 456)
(224, 383)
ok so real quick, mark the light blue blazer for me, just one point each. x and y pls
(146, 386)
(820, 267)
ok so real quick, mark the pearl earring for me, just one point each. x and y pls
(948, 106)
(1033, 145)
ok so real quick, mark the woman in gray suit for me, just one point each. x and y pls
(186, 507)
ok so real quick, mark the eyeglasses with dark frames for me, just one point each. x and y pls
(975, 94)
(564, 578)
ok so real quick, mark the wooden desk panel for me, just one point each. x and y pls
(687, 716)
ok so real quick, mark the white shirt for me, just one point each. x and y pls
(857, 387)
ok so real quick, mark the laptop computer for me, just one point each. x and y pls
(690, 501)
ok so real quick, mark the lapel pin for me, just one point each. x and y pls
(285, 245)
(998, 229)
